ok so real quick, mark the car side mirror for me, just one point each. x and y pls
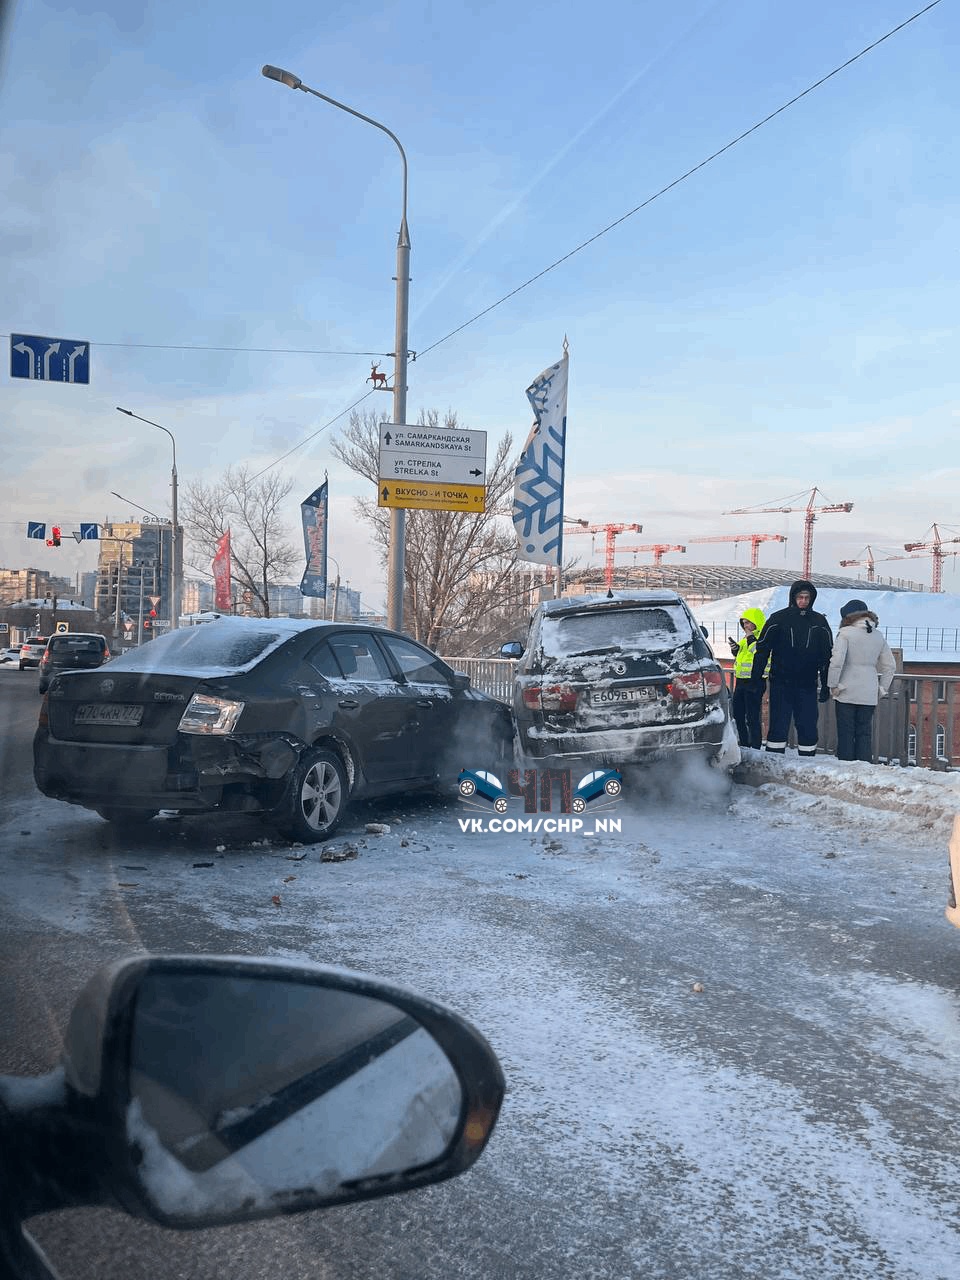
(512, 649)
(704, 632)
(230, 1089)
(461, 682)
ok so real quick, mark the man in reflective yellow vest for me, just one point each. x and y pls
(748, 693)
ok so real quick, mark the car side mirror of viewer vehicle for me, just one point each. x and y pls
(512, 649)
(197, 1091)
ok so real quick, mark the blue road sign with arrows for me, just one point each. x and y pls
(36, 530)
(49, 359)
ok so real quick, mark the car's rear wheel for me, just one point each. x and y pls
(315, 799)
(612, 787)
(127, 818)
(467, 787)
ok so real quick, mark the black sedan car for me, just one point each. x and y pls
(281, 716)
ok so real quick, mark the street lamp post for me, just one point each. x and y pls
(158, 577)
(176, 565)
(336, 591)
(395, 556)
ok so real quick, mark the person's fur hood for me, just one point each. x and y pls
(870, 616)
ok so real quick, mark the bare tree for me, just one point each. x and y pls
(253, 510)
(460, 570)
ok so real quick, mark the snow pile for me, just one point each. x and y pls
(914, 797)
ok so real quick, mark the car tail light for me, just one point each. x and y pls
(44, 719)
(550, 697)
(686, 685)
(205, 714)
(106, 654)
(712, 683)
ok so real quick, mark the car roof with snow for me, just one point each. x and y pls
(572, 604)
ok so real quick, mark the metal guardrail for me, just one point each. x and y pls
(490, 675)
(915, 724)
(924, 639)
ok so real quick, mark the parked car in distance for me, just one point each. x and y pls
(618, 679)
(72, 651)
(600, 782)
(32, 650)
(11, 654)
(281, 716)
(478, 782)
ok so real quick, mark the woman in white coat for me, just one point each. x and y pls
(860, 673)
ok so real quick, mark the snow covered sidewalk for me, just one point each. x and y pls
(923, 797)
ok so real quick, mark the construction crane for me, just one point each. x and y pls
(753, 538)
(869, 561)
(935, 549)
(659, 550)
(810, 514)
(611, 532)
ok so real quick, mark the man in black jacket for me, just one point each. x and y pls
(799, 642)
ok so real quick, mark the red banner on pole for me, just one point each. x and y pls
(221, 574)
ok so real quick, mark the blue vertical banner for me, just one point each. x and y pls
(313, 513)
(538, 480)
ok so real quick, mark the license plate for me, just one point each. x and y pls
(604, 697)
(107, 713)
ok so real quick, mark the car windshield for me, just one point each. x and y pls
(646, 628)
(215, 648)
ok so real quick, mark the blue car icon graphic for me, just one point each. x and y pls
(601, 782)
(478, 782)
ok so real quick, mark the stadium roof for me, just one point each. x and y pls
(718, 580)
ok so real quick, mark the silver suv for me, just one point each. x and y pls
(619, 679)
(32, 650)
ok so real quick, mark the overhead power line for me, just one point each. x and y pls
(683, 177)
(644, 204)
(546, 270)
(269, 351)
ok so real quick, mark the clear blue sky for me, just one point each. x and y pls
(786, 317)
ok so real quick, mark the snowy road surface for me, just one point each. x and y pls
(795, 1118)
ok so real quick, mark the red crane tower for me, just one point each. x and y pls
(659, 550)
(869, 561)
(810, 514)
(753, 538)
(611, 531)
(935, 549)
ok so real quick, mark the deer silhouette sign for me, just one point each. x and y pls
(377, 378)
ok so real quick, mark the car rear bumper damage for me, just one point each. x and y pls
(192, 775)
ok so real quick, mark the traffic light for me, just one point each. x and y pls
(54, 539)
(148, 620)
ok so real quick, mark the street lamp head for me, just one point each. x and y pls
(285, 77)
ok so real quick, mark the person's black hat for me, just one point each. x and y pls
(854, 606)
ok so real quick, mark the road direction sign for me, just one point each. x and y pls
(433, 497)
(49, 359)
(432, 468)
